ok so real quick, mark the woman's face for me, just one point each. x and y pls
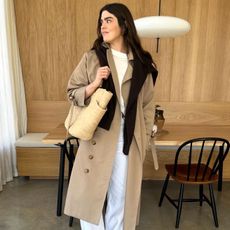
(110, 30)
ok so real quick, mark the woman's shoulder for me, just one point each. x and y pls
(90, 54)
(89, 59)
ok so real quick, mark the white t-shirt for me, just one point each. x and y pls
(121, 64)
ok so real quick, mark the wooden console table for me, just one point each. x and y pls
(171, 136)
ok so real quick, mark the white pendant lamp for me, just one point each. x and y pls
(161, 26)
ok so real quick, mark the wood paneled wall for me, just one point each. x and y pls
(194, 67)
(54, 34)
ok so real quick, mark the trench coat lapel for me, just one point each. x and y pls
(113, 73)
(129, 71)
(127, 77)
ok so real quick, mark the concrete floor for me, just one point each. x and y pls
(31, 205)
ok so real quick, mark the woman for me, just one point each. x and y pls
(109, 167)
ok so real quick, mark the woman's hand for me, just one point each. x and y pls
(102, 73)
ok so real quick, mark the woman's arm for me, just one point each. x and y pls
(78, 82)
(81, 86)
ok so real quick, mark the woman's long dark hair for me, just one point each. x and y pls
(126, 22)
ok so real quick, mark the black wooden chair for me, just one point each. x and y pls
(197, 162)
(67, 149)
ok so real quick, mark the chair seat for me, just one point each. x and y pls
(182, 171)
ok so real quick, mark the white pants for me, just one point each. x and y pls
(114, 215)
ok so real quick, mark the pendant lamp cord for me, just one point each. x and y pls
(159, 13)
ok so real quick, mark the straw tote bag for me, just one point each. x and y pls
(82, 122)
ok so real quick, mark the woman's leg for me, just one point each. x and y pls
(114, 216)
(88, 226)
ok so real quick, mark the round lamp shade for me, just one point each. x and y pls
(161, 26)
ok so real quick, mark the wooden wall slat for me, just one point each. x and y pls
(44, 116)
(184, 113)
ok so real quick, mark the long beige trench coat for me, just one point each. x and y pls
(94, 160)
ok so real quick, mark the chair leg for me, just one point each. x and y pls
(201, 190)
(180, 200)
(71, 160)
(213, 205)
(164, 190)
(70, 221)
(220, 179)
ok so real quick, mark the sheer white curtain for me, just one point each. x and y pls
(13, 118)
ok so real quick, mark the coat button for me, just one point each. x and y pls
(86, 170)
(90, 157)
(93, 142)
